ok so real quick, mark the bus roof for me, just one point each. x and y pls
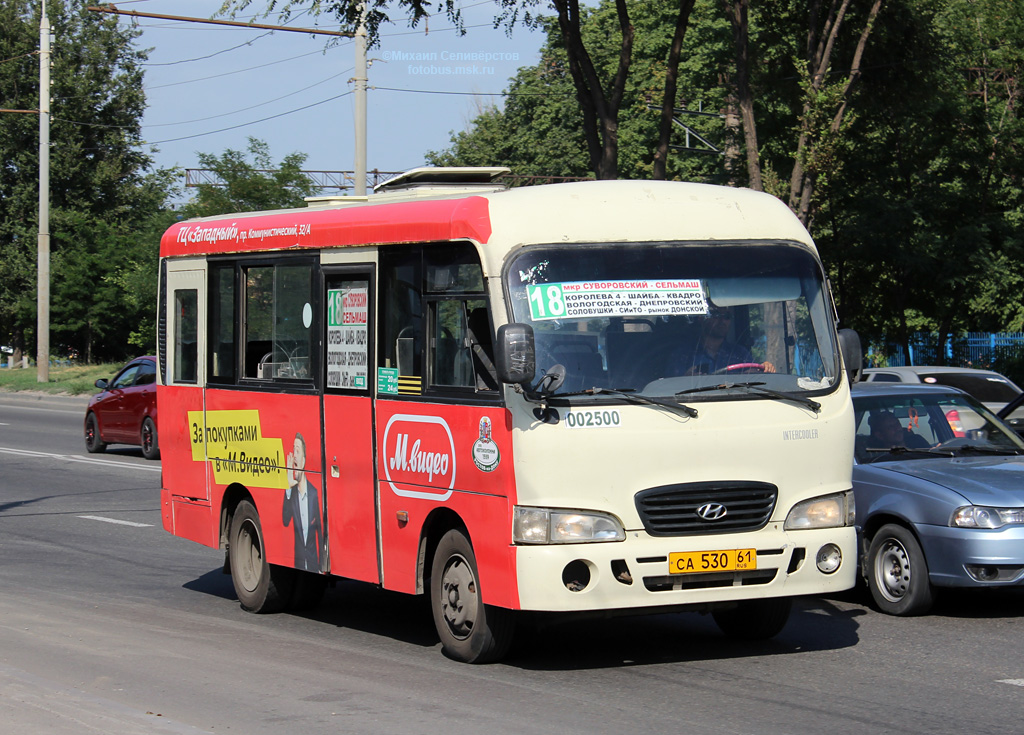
(580, 212)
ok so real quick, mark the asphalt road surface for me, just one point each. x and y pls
(110, 625)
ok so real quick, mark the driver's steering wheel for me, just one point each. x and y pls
(741, 367)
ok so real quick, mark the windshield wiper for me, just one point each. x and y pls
(756, 387)
(984, 449)
(629, 395)
(900, 449)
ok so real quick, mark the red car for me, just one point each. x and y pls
(124, 412)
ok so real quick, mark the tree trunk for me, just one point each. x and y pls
(737, 10)
(600, 110)
(820, 47)
(733, 131)
(668, 102)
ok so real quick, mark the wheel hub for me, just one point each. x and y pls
(459, 598)
(892, 570)
(251, 559)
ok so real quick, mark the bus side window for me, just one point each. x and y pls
(222, 324)
(186, 334)
(451, 362)
(278, 321)
(460, 348)
(401, 303)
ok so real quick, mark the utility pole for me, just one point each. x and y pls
(43, 255)
(360, 104)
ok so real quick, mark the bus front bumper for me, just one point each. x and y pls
(636, 574)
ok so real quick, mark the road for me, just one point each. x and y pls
(110, 625)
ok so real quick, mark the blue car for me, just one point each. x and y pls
(939, 488)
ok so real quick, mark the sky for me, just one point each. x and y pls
(210, 88)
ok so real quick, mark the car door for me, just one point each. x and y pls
(137, 398)
(111, 408)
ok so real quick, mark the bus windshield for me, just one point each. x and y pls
(712, 320)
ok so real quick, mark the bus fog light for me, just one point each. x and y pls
(829, 558)
(576, 575)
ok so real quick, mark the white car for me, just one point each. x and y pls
(988, 386)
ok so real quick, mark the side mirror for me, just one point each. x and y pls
(516, 356)
(101, 383)
(853, 356)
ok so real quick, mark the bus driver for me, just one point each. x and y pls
(713, 350)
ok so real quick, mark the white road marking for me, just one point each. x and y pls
(115, 520)
(1012, 682)
(73, 458)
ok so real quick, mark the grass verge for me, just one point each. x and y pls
(76, 380)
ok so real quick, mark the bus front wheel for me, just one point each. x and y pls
(470, 631)
(261, 587)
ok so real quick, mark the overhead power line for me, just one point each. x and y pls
(359, 35)
(236, 23)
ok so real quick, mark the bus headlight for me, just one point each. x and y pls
(551, 526)
(826, 511)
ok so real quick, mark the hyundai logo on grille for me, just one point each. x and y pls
(712, 511)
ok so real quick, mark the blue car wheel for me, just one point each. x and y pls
(898, 573)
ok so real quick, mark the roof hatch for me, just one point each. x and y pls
(446, 178)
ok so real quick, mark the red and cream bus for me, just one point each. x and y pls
(612, 397)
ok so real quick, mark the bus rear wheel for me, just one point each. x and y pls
(261, 587)
(754, 620)
(470, 631)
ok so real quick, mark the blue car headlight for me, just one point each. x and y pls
(977, 516)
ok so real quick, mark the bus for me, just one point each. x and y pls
(599, 397)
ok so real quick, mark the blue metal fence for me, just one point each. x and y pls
(977, 349)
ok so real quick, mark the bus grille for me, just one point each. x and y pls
(706, 507)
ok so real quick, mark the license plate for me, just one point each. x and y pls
(695, 562)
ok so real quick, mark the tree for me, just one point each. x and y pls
(539, 131)
(599, 91)
(924, 229)
(250, 185)
(103, 192)
(822, 99)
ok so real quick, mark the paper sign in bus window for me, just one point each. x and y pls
(584, 299)
(347, 343)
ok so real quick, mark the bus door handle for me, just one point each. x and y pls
(335, 472)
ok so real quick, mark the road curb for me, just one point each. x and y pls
(39, 398)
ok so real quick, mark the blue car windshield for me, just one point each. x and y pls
(659, 319)
(923, 425)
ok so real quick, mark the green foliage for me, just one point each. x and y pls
(250, 183)
(105, 202)
(347, 12)
(918, 206)
(73, 380)
(539, 129)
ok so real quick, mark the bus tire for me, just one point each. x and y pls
(148, 439)
(261, 587)
(754, 620)
(470, 631)
(93, 443)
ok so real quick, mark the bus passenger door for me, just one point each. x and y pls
(349, 497)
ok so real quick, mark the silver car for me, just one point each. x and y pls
(939, 488)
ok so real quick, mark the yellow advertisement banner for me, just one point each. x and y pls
(235, 447)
